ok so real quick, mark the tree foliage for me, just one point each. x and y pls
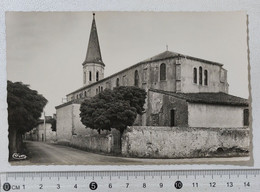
(53, 123)
(115, 108)
(24, 106)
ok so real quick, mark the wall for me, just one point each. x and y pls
(64, 123)
(205, 115)
(214, 70)
(69, 123)
(77, 127)
(50, 135)
(72, 132)
(176, 142)
(159, 107)
(107, 142)
(149, 77)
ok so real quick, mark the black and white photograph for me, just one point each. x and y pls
(128, 88)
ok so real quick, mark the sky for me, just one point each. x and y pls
(46, 49)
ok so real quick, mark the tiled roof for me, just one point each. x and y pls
(163, 55)
(169, 54)
(208, 98)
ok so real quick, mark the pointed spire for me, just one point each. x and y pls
(93, 52)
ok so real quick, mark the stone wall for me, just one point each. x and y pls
(107, 142)
(184, 142)
(97, 143)
(159, 110)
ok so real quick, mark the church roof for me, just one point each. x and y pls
(218, 98)
(93, 52)
(168, 55)
(163, 55)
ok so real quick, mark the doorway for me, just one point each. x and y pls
(172, 116)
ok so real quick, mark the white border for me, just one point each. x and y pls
(251, 6)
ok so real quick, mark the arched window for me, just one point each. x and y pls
(205, 77)
(85, 93)
(84, 78)
(162, 71)
(101, 89)
(90, 76)
(136, 78)
(200, 75)
(195, 75)
(117, 82)
(97, 76)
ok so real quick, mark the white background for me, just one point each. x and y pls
(253, 10)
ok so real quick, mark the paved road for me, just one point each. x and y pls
(51, 154)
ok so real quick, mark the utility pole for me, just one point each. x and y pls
(44, 124)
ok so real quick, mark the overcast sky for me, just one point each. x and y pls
(46, 49)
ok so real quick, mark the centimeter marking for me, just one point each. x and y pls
(168, 180)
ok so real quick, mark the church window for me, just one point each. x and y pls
(145, 75)
(85, 93)
(246, 117)
(90, 76)
(97, 76)
(200, 75)
(117, 82)
(205, 77)
(101, 88)
(136, 78)
(162, 72)
(84, 78)
(195, 75)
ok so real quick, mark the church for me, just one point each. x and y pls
(182, 91)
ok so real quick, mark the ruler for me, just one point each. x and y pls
(120, 181)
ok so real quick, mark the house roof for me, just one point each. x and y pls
(93, 52)
(76, 101)
(219, 98)
(169, 54)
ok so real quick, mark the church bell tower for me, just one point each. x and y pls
(93, 66)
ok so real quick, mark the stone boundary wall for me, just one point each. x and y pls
(106, 142)
(185, 142)
(97, 143)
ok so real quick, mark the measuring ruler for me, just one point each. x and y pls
(119, 181)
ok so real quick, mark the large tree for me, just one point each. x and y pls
(115, 108)
(24, 109)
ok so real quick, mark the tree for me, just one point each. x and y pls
(53, 122)
(24, 109)
(115, 108)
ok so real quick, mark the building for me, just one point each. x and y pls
(42, 132)
(182, 91)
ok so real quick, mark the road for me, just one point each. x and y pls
(51, 154)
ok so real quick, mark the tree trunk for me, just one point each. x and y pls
(12, 141)
(19, 142)
(121, 134)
